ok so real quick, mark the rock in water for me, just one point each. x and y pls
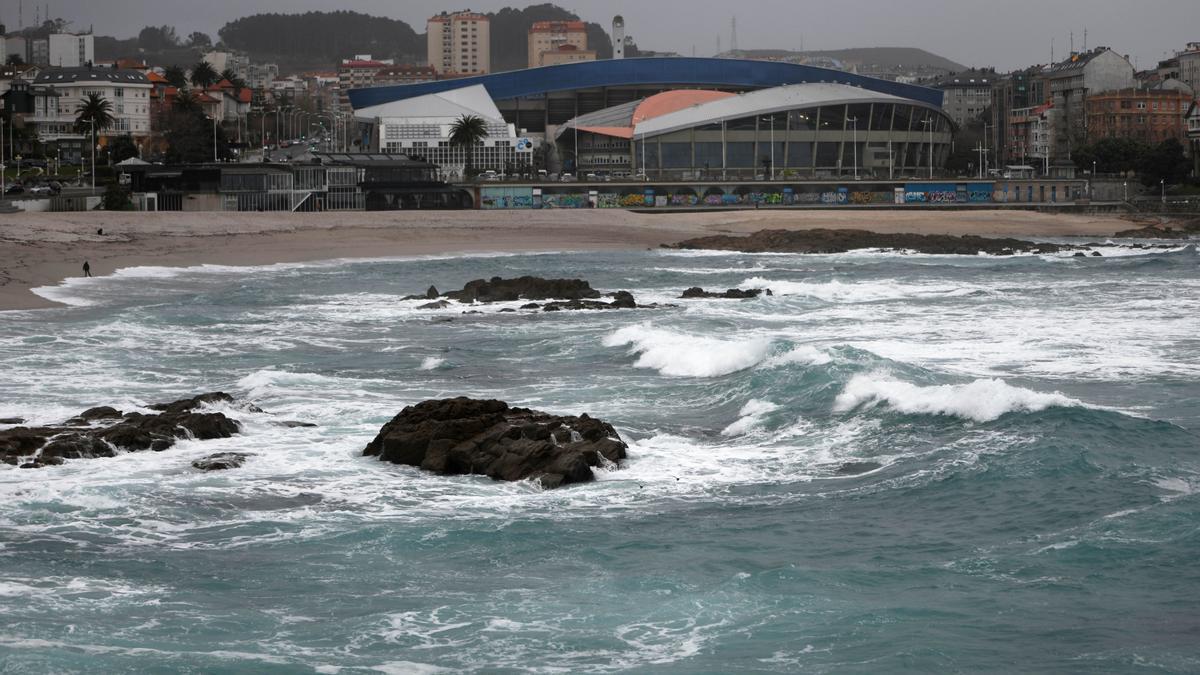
(221, 461)
(731, 294)
(523, 288)
(104, 431)
(840, 241)
(467, 436)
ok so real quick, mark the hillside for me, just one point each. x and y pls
(888, 57)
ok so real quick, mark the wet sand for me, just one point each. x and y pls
(40, 249)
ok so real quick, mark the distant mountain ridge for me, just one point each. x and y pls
(879, 56)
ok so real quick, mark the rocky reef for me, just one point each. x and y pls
(105, 431)
(459, 436)
(841, 241)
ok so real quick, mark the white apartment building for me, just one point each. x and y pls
(459, 43)
(70, 51)
(127, 90)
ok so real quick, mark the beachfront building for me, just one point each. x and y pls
(1016, 91)
(1070, 82)
(801, 130)
(1030, 139)
(538, 100)
(1151, 116)
(968, 94)
(459, 43)
(1192, 119)
(421, 127)
(127, 90)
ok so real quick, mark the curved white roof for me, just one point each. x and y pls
(766, 101)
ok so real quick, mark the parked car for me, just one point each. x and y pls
(14, 189)
(41, 191)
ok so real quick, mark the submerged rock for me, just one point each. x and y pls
(12, 420)
(731, 294)
(857, 468)
(841, 241)
(221, 461)
(105, 431)
(466, 436)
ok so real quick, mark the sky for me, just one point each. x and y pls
(1005, 35)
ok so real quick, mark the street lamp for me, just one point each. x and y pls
(1162, 183)
(92, 125)
(214, 121)
(3, 168)
(928, 122)
(1126, 186)
(854, 121)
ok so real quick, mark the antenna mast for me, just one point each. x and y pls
(733, 45)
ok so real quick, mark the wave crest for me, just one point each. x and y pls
(983, 400)
(683, 355)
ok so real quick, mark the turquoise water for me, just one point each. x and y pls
(1035, 508)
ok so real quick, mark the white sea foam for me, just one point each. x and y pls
(982, 400)
(805, 355)
(432, 363)
(683, 355)
(869, 291)
(751, 417)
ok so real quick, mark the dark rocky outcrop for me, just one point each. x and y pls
(467, 436)
(841, 241)
(105, 431)
(565, 294)
(12, 420)
(294, 424)
(523, 288)
(221, 461)
(731, 294)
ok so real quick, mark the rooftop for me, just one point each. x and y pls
(70, 75)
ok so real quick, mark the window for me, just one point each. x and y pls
(740, 155)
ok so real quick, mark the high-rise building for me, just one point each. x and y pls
(968, 94)
(1016, 91)
(459, 43)
(553, 36)
(1151, 116)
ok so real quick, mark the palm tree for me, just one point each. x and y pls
(467, 132)
(203, 75)
(176, 77)
(95, 111)
(185, 102)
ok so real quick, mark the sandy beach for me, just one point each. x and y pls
(39, 249)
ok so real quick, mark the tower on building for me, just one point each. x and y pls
(618, 37)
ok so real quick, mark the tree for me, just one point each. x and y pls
(1165, 162)
(198, 40)
(203, 75)
(189, 136)
(158, 38)
(176, 77)
(1111, 155)
(122, 148)
(15, 60)
(116, 198)
(94, 111)
(467, 132)
(238, 83)
(185, 101)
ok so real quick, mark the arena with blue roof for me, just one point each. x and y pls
(536, 98)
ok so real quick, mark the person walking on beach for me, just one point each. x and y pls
(87, 269)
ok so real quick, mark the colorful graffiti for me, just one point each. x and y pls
(572, 201)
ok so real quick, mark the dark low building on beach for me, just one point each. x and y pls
(332, 182)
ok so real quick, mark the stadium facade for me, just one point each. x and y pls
(743, 119)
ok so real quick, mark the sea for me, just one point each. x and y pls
(894, 463)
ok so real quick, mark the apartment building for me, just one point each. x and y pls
(1070, 82)
(556, 38)
(1151, 116)
(459, 43)
(127, 90)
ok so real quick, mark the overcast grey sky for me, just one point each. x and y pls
(1006, 35)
